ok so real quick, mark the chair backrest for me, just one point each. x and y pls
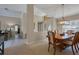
(76, 38)
(51, 36)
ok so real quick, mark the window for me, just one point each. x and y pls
(49, 28)
(40, 26)
(16, 28)
(72, 25)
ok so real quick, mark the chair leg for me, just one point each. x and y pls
(73, 50)
(77, 47)
(54, 50)
(61, 48)
(48, 47)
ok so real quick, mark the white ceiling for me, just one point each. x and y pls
(56, 10)
(13, 10)
(38, 12)
(47, 8)
(52, 10)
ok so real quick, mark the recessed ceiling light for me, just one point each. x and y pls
(5, 8)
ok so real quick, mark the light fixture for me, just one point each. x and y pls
(5, 8)
(62, 21)
(10, 24)
(45, 18)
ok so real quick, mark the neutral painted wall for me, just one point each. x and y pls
(38, 12)
(8, 20)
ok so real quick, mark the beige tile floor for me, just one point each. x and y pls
(38, 48)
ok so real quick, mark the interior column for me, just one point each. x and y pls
(30, 24)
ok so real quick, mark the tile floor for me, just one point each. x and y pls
(38, 48)
(14, 42)
(17, 46)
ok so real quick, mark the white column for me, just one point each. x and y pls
(30, 24)
(59, 27)
(27, 25)
(54, 24)
(23, 24)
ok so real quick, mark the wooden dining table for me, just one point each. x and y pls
(64, 39)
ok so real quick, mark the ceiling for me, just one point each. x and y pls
(57, 10)
(52, 10)
(13, 10)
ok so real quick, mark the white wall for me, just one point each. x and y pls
(38, 12)
(8, 20)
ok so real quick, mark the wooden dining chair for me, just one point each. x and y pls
(50, 42)
(73, 43)
(1, 44)
(54, 42)
(77, 41)
(2, 48)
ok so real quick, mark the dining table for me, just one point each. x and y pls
(65, 38)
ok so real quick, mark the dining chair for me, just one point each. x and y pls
(50, 42)
(78, 41)
(1, 48)
(73, 43)
(54, 42)
(1, 44)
